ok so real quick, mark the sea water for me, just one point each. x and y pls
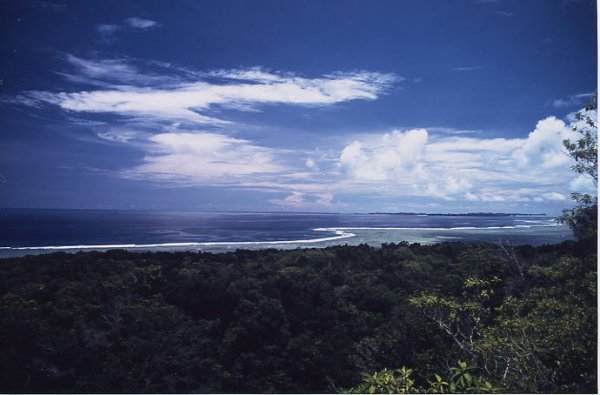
(26, 231)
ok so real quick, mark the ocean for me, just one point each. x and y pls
(32, 231)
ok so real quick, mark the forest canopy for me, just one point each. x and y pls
(522, 318)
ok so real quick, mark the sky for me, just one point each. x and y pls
(320, 106)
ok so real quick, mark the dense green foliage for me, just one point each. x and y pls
(399, 381)
(522, 318)
(583, 218)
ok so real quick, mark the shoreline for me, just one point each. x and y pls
(355, 235)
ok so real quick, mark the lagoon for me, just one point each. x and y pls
(31, 231)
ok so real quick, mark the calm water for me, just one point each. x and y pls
(33, 231)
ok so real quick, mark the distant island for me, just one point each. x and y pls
(478, 214)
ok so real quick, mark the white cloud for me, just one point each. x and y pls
(255, 74)
(389, 157)
(129, 93)
(140, 23)
(119, 136)
(581, 124)
(572, 101)
(311, 164)
(167, 105)
(112, 73)
(515, 195)
(107, 32)
(107, 29)
(454, 167)
(487, 197)
(448, 188)
(204, 159)
(555, 196)
(305, 200)
(447, 130)
(583, 184)
(296, 199)
(543, 147)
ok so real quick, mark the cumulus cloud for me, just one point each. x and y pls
(448, 187)
(413, 162)
(543, 148)
(389, 157)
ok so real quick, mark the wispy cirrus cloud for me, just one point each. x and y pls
(467, 68)
(141, 23)
(130, 93)
(572, 101)
(120, 136)
(111, 73)
(107, 31)
(452, 131)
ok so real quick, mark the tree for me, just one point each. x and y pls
(585, 150)
(583, 218)
(540, 340)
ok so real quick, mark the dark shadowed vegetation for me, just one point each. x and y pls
(518, 318)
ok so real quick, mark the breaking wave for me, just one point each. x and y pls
(340, 233)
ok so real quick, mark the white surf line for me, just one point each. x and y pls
(442, 229)
(340, 234)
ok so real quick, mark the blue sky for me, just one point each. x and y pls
(338, 106)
